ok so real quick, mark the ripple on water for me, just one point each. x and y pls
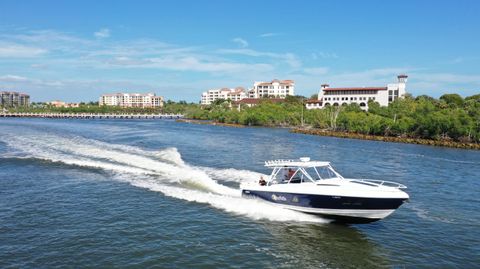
(146, 194)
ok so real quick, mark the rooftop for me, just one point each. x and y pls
(19, 93)
(282, 82)
(129, 94)
(254, 101)
(357, 89)
(313, 101)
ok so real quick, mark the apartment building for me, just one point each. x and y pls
(14, 99)
(131, 100)
(234, 94)
(275, 88)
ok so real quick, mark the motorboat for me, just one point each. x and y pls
(314, 187)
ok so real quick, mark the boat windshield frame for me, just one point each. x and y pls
(299, 171)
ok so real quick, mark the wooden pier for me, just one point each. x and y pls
(89, 116)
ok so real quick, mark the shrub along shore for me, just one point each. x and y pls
(419, 141)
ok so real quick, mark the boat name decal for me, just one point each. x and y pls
(278, 198)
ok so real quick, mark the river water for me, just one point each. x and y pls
(162, 194)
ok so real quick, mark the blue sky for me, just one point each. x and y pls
(77, 50)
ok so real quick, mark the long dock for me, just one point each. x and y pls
(89, 116)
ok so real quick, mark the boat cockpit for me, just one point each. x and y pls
(291, 172)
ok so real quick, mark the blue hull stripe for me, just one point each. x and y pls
(326, 201)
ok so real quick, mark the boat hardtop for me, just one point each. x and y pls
(302, 162)
(319, 172)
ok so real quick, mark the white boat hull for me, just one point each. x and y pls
(348, 209)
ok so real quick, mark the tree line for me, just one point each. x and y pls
(449, 117)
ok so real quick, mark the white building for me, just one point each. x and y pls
(131, 100)
(275, 88)
(360, 95)
(251, 102)
(235, 94)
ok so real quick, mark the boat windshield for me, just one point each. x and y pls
(289, 175)
(301, 174)
(324, 172)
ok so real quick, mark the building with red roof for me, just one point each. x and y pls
(328, 96)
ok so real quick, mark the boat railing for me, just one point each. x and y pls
(271, 162)
(375, 182)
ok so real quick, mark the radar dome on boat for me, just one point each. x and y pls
(305, 159)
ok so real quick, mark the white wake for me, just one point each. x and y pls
(162, 171)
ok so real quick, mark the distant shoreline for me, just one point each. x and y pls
(339, 134)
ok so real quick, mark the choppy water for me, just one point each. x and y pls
(140, 193)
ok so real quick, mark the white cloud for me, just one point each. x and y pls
(292, 60)
(269, 34)
(324, 55)
(458, 60)
(20, 51)
(102, 33)
(441, 78)
(370, 77)
(12, 78)
(25, 82)
(241, 42)
(289, 58)
(187, 63)
(39, 66)
(315, 71)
